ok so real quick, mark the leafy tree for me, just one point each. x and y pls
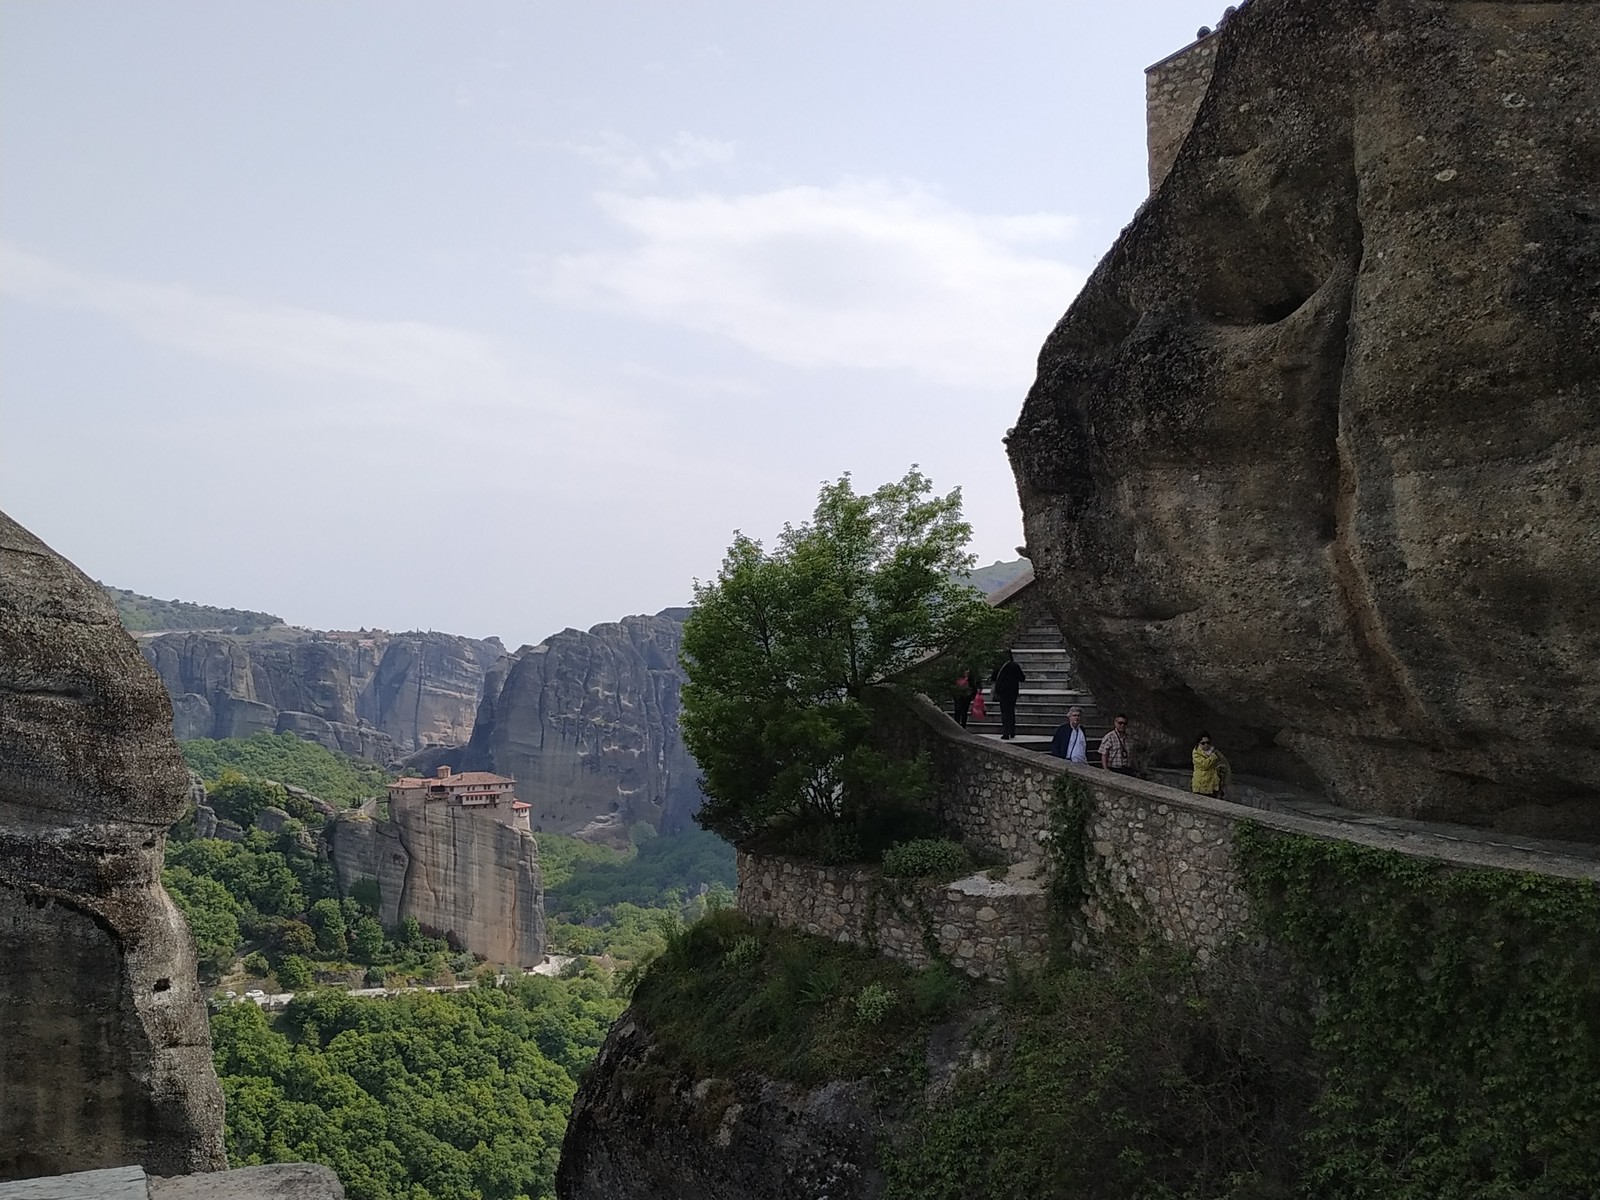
(327, 919)
(296, 938)
(366, 940)
(212, 914)
(417, 1098)
(293, 972)
(238, 799)
(337, 778)
(783, 647)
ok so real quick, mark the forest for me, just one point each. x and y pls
(418, 1095)
(146, 614)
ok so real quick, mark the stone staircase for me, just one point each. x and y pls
(1051, 688)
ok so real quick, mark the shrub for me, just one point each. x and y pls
(743, 952)
(874, 1002)
(293, 972)
(256, 963)
(926, 858)
(936, 991)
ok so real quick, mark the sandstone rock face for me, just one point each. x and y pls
(105, 1056)
(456, 870)
(1312, 461)
(631, 1137)
(587, 723)
(375, 695)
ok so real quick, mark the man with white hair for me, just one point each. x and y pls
(1070, 741)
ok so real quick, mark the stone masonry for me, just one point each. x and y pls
(1161, 859)
(980, 924)
(1173, 89)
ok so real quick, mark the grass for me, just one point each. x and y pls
(728, 996)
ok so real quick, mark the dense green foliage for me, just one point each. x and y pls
(727, 996)
(146, 614)
(783, 646)
(337, 778)
(1124, 1083)
(1459, 1023)
(623, 906)
(926, 858)
(421, 1097)
(662, 872)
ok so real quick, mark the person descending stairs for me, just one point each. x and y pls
(1051, 688)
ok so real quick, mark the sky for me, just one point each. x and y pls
(498, 318)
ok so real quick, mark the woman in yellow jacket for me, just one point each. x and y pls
(1211, 770)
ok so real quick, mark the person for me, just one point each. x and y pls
(1070, 742)
(1211, 770)
(1116, 750)
(1008, 681)
(969, 685)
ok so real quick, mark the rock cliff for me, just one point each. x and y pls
(635, 1135)
(587, 723)
(457, 871)
(373, 694)
(1311, 462)
(105, 1057)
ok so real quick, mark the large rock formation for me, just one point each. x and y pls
(371, 694)
(105, 1057)
(639, 1131)
(1312, 461)
(587, 723)
(458, 871)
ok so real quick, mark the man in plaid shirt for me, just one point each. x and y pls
(1116, 751)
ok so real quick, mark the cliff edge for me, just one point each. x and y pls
(1311, 462)
(105, 1056)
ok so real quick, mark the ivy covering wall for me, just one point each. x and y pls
(1457, 1025)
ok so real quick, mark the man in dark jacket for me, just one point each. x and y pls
(1008, 681)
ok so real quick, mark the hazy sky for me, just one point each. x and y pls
(496, 318)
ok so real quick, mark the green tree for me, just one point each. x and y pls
(212, 914)
(366, 940)
(784, 645)
(293, 972)
(327, 919)
(239, 800)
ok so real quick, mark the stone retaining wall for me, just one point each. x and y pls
(1160, 856)
(979, 924)
(1161, 859)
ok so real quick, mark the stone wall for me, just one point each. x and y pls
(980, 924)
(1160, 855)
(1173, 89)
(1161, 858)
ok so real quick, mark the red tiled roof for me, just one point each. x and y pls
(518, 806)
(464, 779)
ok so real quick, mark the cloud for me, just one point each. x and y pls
(634, 165)
(427, 361)
(858, 275)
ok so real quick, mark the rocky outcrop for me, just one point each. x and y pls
(587, 724)
(105, 1057)
(639, 1131)
(372, 694)
(458, 871)
(1312, 460)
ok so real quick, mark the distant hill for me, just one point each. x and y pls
(997, 574)
(146, 614)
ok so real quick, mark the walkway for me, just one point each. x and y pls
(1050, 690)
